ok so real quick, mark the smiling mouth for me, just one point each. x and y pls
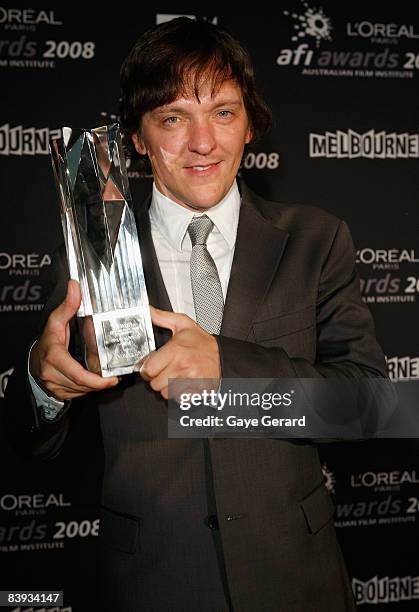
(202, 168)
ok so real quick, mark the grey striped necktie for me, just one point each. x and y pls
(206, 287)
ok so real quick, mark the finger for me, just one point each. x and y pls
(63, 388)
(175, 321)
(69, 307)
(72, 374)
(63, 393)
(164, 393)
(157, 361)
(170, 377)
(160, 382)
(83, 379)
(143, 373)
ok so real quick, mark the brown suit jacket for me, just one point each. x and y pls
(192, 524)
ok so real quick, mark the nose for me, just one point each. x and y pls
(201, 138)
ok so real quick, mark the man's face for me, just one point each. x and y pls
(195, 148)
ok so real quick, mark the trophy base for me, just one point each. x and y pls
(122, 341)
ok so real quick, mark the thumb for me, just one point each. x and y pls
(174, 321)
(67, 309)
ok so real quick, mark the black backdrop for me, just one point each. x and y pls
(343, 85)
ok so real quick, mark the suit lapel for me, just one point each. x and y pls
(259, 248)
(258, 251)
(157, 294)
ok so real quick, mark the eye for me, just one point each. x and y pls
(225, 114)
(171, 120)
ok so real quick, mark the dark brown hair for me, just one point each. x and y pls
(174, 59)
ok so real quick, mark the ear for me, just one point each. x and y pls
(249, 135)
(138, 143)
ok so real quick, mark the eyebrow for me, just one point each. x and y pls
(163, 110)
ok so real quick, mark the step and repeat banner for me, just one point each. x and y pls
(343, 84)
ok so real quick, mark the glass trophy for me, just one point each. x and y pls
(103, 248)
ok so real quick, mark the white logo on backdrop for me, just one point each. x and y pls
(4, 379)
(329, 478)
(371, 145)
(311, 23)
(385, 589)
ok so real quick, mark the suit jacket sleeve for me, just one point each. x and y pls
(346, 344)
(21, 421)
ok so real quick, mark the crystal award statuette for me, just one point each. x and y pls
(103, 248)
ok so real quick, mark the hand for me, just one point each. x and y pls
(91, 355)
(50, 362)
(190, 353)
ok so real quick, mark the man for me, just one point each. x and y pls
(243, 524)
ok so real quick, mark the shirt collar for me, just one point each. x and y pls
(172, 219)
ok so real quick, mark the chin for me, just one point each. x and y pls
(204, 205)
(205, 201)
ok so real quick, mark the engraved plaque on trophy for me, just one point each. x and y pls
(103, 248)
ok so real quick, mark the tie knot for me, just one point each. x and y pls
(199, 229)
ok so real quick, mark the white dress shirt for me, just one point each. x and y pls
(169, 223)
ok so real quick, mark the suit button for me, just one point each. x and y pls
(212, 522)
(235, 517)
